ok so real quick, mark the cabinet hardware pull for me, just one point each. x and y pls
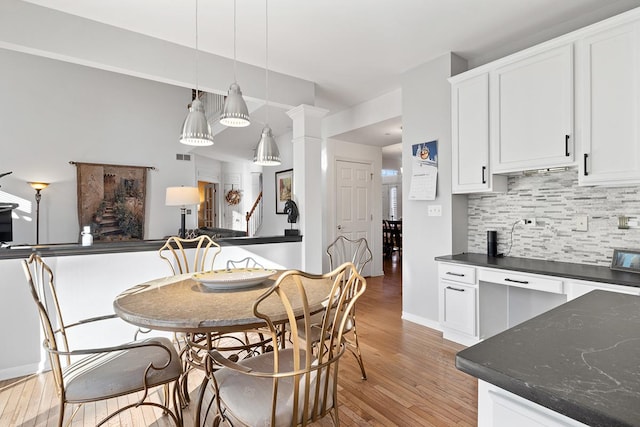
(454, 274)
(586, 155)
(524, 282)
(455, 289)
(484, 170)
(566, 146)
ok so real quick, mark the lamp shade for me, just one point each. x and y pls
(182, 196)
(267, 153)
(196, 130)
(235, 112)
(39, 185)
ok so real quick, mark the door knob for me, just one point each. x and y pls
(339, 227)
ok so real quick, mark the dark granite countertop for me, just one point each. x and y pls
(17, 252)
(592, 273)
(579, 359)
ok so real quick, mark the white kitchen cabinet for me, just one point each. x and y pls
(458, 302)
(576, 288)
(608, 106)
(531, 108)
(500, 408)
(471, 170)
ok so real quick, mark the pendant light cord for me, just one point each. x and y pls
(197, 94)
(266, 60)
(235, 80)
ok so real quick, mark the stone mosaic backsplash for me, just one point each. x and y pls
(555, 200)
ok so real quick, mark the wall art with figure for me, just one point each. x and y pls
(111, 199)
(284, 189)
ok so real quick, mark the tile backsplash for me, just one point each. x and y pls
(555, 200)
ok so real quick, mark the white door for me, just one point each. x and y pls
(353, 201)
(233, 214)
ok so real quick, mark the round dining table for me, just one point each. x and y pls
(181, 303)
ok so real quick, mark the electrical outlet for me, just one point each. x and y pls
(434, 210)
(582, 223)
(530, 222)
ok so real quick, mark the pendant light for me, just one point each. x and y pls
(235, 112)
(266, 152)
(196, 130)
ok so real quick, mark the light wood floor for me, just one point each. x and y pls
(412, 380)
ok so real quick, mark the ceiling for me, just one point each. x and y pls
(354, 50)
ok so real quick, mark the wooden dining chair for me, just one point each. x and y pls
(174, 253)
(101, 373)
(296, 385)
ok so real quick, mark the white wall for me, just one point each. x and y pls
(274, 225)
(341, 150)
(426, 116)
(54, 112)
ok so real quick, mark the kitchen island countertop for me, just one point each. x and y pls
(579, 359)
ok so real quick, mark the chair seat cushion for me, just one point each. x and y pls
(116, 373)
(248, 399)
(316, 327)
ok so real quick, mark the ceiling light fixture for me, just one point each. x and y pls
(266, 152)
(235, 112)
(196, 130)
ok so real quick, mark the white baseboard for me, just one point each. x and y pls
(422, 321)
(19, 371)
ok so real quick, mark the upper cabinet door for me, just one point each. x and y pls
(470, 132)
(608, 106)
(532, 112)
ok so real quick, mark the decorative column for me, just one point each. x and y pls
(309, 182)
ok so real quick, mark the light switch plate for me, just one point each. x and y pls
(434, 210)
(582, 223)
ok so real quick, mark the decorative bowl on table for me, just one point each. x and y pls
(233, 278)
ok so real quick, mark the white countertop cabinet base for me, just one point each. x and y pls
(479, 302)
(500, 408)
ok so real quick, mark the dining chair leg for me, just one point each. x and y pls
(354, 347)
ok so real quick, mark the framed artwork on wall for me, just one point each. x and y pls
(284, 189)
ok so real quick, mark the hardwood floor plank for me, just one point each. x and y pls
(412, 380)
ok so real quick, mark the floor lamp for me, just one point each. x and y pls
(182, 196)
(38, 186)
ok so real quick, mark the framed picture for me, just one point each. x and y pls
(626, 260)
(284, 189)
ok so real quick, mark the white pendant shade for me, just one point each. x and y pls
(266, 152)
(235, 112)
(196, 130)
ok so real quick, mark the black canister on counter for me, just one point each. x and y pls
(492, 243)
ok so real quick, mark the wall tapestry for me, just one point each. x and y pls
(111, 199)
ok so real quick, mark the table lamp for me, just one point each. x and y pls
(182, 196)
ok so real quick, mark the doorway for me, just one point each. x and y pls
(208, 209)
(353, 201)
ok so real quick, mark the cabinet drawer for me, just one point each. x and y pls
(457, 273)
(528, 281)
